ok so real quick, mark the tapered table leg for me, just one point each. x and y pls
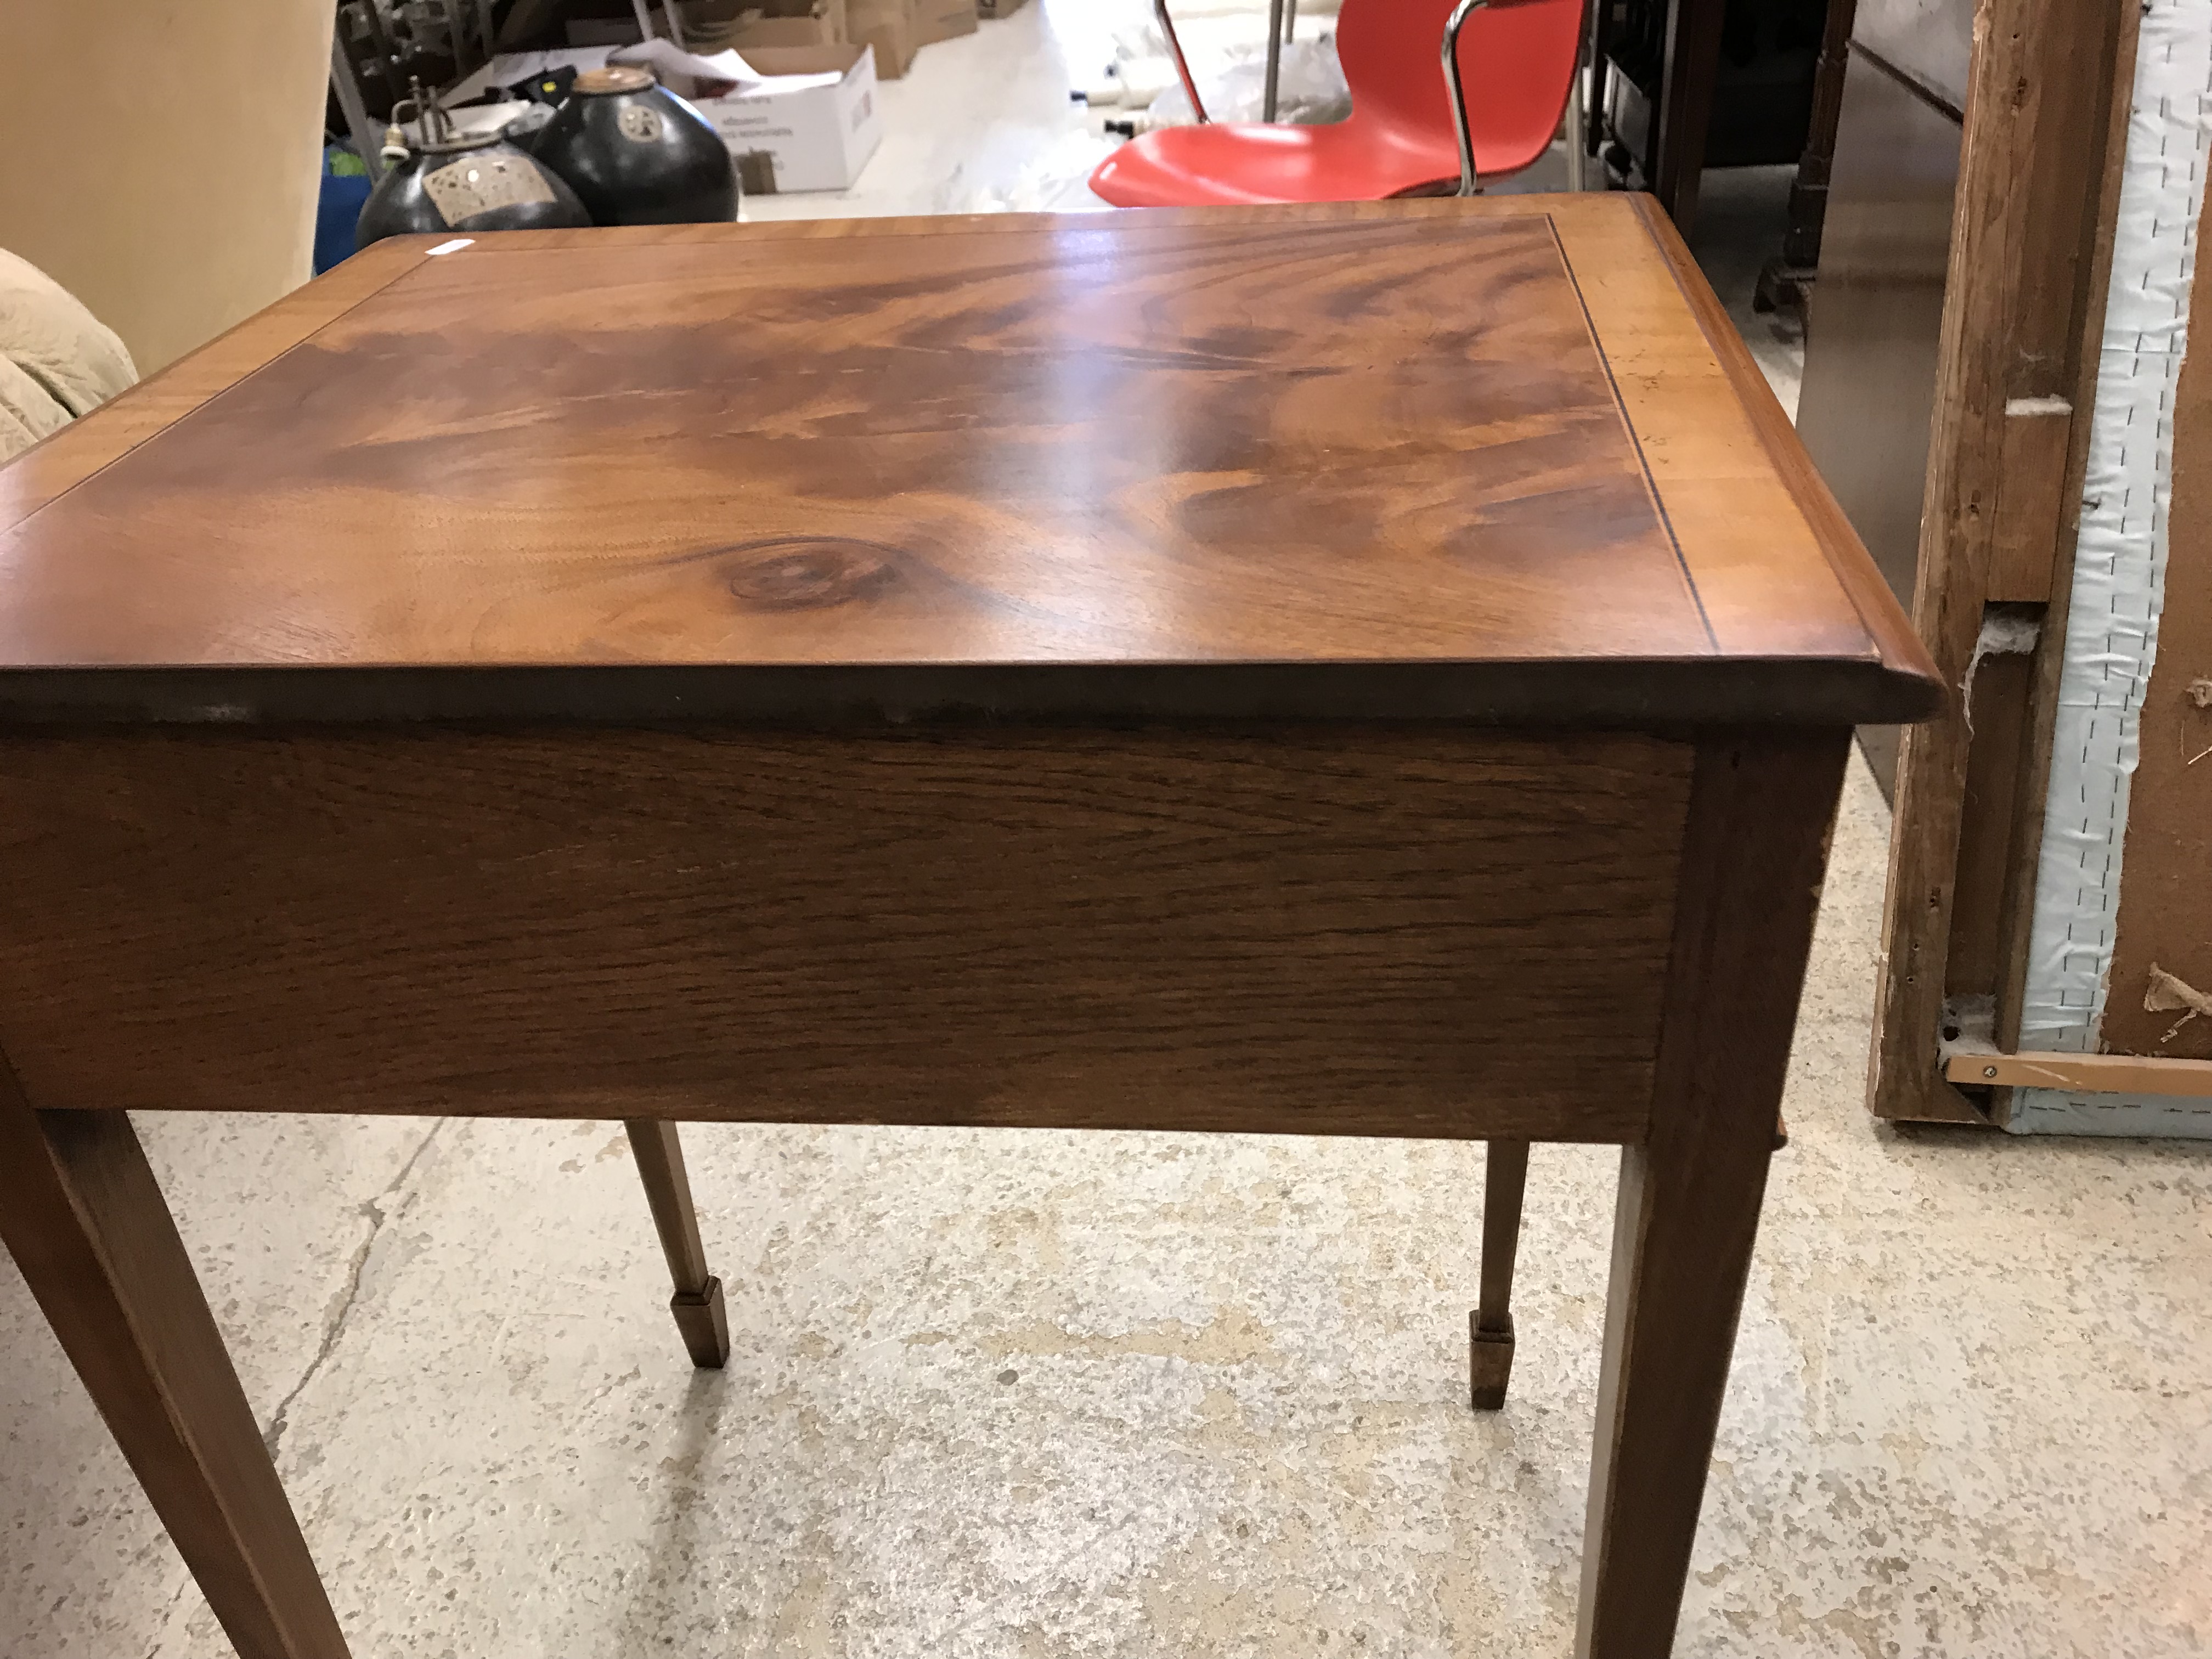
(1489, 1327)
(697, 1303)
(86, 1223)
(1688, 1210)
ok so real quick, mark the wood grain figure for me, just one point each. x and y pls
(1336, 930)
(974, 467)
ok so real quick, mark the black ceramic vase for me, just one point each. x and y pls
(638, 154)
(476, 182)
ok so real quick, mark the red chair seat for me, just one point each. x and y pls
(1515, 60)
(1223, 162)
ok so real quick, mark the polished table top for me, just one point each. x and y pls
(1500, 459)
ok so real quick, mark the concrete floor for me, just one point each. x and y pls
(1022, 1394)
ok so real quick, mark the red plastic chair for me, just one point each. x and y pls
(1519, 57)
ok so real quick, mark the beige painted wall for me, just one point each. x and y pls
(160, 156)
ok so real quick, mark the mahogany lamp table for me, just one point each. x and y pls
(1363, 669)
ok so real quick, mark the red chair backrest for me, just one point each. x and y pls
(1517, 62)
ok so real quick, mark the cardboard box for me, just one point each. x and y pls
(813, 127)
(603, 32)
(999, 8)
(776, 23)
(512, 68)
(940, 20)
(886, 27)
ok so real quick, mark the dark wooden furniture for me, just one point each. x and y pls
(1785, 281)
(1679, 85)
(1370, 670)
(1875, 328)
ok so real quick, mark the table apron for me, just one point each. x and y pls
(1326, 929)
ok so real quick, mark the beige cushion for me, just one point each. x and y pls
(58, 360)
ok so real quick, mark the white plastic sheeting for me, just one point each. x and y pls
(2120, 576)
(1310, 89)
(2056, 1112)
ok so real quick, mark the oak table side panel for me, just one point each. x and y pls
(1345, 930)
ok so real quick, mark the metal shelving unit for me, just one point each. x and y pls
(379, 46)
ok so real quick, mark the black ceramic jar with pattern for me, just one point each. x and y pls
(636, 153)
(470, 182)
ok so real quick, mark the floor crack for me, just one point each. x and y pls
(373, 1209)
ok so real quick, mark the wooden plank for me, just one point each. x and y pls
(86, 1223)
(2099, 1074)
(2164, 919)
(2029, 799)
(2037, 117)
(1973, 960)
(1346, 930)
(2032, 453)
